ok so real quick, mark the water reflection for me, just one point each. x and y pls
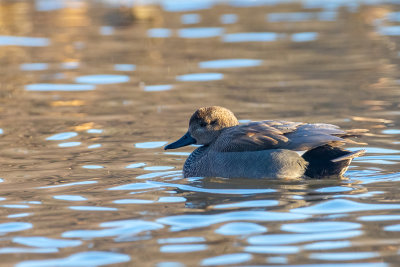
(103, 79)
(23, 41)
(159, 33)
(200, 32)
(240, 228)
(86, 182)
(190, 18)
(200, 77)
(344, 256)
(124, 67)
(34, 66)
(160, 87)
(183, 6)
(251, 37)
(43, 242)
(304, 36)
(230, 63)
(14, 227)
(89, 258)
(301, 16)
(115, 228)
(45, 87)
(228, 18)
(62, 136)
(227, 259)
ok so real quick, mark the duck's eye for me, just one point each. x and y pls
(214, 122)
(203, 124)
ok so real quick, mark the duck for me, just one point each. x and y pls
(264, 149)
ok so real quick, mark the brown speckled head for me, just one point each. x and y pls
(206, 123)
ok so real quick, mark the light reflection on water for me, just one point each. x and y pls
(86, 182)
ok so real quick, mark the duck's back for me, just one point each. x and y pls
(265, 135)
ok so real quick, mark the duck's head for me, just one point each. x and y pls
(205, 126)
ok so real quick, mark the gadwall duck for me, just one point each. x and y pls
(264, 149)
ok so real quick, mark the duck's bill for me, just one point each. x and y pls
(185, 140)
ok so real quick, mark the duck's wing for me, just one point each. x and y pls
(255, 136)
(309, 136)
(265, 135)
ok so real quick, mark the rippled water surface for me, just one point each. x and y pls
(91, 91)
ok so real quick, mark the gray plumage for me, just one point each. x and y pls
(264, 149)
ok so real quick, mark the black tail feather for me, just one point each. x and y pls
(327, 160)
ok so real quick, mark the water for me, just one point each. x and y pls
(91, 92)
